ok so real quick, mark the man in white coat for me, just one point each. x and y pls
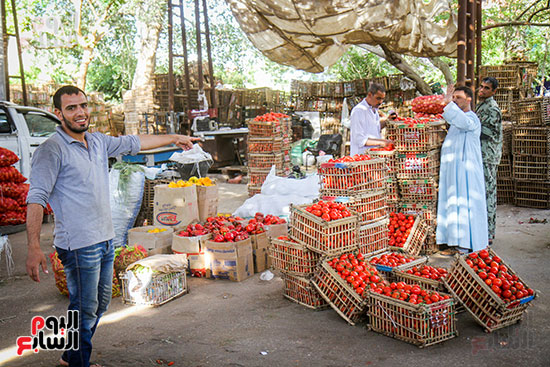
(461, 209)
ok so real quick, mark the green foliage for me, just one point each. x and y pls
(358, 63)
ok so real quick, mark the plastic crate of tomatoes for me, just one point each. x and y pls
(373, 236)
(416, 165)
(314, 226)
(349, 176)
(416, 134)
(418, 189)
(489, 289)
(412, 314)
(388, 260)
(369, 207)
(292, 257)
(300, 290)
(343, 281)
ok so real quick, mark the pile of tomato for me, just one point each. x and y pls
(399, 228)
(428, 117)
(329, 210)
(391, 259)
(433, 104)
(428, 272)
(410, 293)
(355, 158)
(387, 148)
(356, 272)
(496, 275)
(268, 219)
(270, 117)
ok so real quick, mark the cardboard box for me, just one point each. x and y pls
(259, 240)
(198, 265)
(189, 244)
(262, 261)
(207, 199)
(276, 230)
(160, 250)
(150, 241)
(230, 260)
(175, 207)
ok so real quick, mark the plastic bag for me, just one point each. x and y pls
(126, 183)
(193, 162)
(306, 187)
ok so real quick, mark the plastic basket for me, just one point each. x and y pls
(415, 190)
(328, 238)
(531, 140)
(339, 295)
(422, 325)
(157, 290)
(352, 178)
(489, 310)
(373, 236)
(531, 194)
(419, 137)
(418, 165)
(368, 207)
(292, 258)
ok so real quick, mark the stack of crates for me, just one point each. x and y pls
(505, 182)
(360, 185)
(531, 153)
(392, 188)
(268, 145)
(418, 148)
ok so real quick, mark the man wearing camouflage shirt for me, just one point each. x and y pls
(491, 145)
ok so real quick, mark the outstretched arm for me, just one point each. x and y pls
(156, 141)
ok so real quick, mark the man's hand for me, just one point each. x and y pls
(36, 259)
(185, 142)
(449, 94)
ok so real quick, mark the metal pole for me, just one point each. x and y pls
(170, 59)
(209, 53)
(461, 44)
(479, 39)
(4, 75)
(199, 48)
(185, 64)
(470, 44)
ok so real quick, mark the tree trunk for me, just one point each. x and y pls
(397, 61)
(445, 69)
(87, 57)
(146, 61)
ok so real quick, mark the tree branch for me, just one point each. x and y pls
(515, 23)
(547, 7)
(445, 69)
(527, 9)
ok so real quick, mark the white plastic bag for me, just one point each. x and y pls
(126, 184)
(345, 120)
(275, 185)
(193, 155)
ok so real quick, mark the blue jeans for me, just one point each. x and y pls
(89, 273)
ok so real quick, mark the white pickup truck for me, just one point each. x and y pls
(23, 129)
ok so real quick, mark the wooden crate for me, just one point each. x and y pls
(373, 236)
(418, 165)
(159, 288)
(532, 194)
(300, 290)
(422, 325)
(292, 258)
(266, 160)
(416, 239)
(504, 170)
(419, 137)
(387, 271)
(264, 129)
(254, 189)
(505, 98)
(256, 177)
(527, 112)
(392, 190)
(388, 156)
(369, 207)
(146, 210)
(508, 76)
(531, 140)
(352, 178)
(418, 190)
(489, 310)
(339, 295)
(545, 110)
(426, 209)
(531, 167)
(265, 145)
(505, 191)
(327, 238)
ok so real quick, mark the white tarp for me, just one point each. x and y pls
(313, 34)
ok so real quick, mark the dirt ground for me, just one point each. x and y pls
(223, 323)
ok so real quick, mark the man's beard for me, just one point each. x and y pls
(75, 129)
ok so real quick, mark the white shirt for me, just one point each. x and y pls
(365, 124)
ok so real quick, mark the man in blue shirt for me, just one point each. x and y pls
(70, 170)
